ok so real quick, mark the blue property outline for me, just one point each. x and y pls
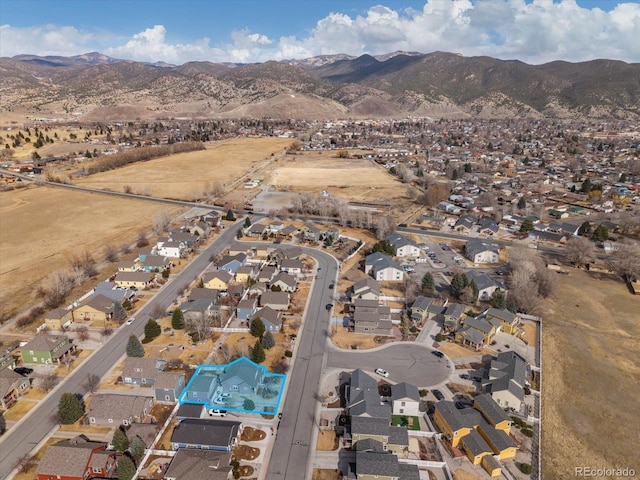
(266, 373)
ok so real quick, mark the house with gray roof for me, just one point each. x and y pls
(293, 266)
(275, 300)
(12, 385)
(405, 399)
(267, 273)
(143, 371)
(371, 318)
(285, 281)
(487, 226)
(420, 308)
(465, 224)
(363, 398)
(231, 263)
(246, 308)
(207, 293)
(486, 285)
(479, 251)
(383, 268)
(367, 288)
(206, 434)
(371, 465)
(201, 388)
(403, 246)
(199, 309)
(452, 316)
(505, 379)
(256, 230)
(45, 349)
(192, 463)
(110, 409)
(241, 376)
(271, 318)
(477, 331)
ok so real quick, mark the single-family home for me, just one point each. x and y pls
(127, 266)
(193, 463)
(394, 439)
(275, 226)
(275, 300)
(479, 251)
(485, 284)
(58, 319)
(285, 281)
(236, 290)
(420, 308)
(46, 349)
(465, 224)
(405, 399)
(99, 307)
(383, 268)
(311, 233)
(76, 459)
(293, 266)
(373, 462)
(266, 274)
(403, 246)
(505, 379)
(246, 308)
(367, 288)
(363, 398)
(242, 376)
(371, 318)
(487, 227)
(115, 293)
(206, 293)
(219, 280)
(135, 280)
(272, 319)
(256, 230)
(238, 247)
(477, 332)
(287, 232)
(509, 321)
(12, 385)
(245, 274)
(200, 309)
(230, 263)
(172, 249)
(110, 409)
(206, 434)
(452, 316)
(212, 218)
(150, 372)
(155, 263)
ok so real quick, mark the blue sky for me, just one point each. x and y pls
(534, 31)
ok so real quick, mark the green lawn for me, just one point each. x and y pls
(412, 423)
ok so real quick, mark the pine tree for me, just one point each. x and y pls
(498, 300)
(151, 330)
(137, 448)
(526, 226)
(70, 408)
(522, 203)
(428, 284)
(248, 404)
(458, 283)
(600, 234)
(257, 328)
(134, 347)
(268, 341)
(257, 354)
(247, 222)
(120, 441)
(230, 216)
(177, 319)
(585, 229)
(126, 468)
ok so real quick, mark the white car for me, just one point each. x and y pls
(382, 372)
(131, 320)
(217, 413)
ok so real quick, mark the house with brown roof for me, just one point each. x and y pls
(99, 307)
(58, 318)
(192, 463)
(275, 300)
(135, 280)
(76, 459)
(371, 318)
(206, 434)
(108, 409)
(46, 349)
(12, 385)
(218, 280)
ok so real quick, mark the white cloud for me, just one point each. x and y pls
(535, 32)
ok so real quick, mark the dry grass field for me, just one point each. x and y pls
(186, 175)
(591, 379)
(348, 178)
(327, 441)
(42, 228)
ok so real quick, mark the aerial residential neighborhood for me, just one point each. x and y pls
(310, 251)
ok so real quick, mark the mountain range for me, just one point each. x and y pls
(439, 85)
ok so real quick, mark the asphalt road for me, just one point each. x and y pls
(33, 428)
(405, 362)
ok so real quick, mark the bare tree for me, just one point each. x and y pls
(48, 382)
(110, 253)
(83, 333)
(161, 222)
(106, 331)
(142, 241)
(91, 382)
(217, 190)
(384, 225)
(84, 263)
(199, 325)
(578, 251)
(25, 462)
(55, 288)
(626, 261)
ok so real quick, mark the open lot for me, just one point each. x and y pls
(591, 376)
(43, 227)
(186, 175)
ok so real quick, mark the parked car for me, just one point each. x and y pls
(332, 286)
(465, 376)
(23, 370)
(131, 320)
(438, 354)
(438, 394)
(329, 306)
(214, 412)
(382, 372)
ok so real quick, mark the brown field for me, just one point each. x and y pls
(325, 474)
(344, 339)
(327, 441)
(351, 179)
(19, 409)
(185, 175)
(591, 376)
(455, 350)
(43, 227)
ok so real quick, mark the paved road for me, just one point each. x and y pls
(292, 449)
(25, 435)
(405, 362)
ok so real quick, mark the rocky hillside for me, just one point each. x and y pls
(94, 86)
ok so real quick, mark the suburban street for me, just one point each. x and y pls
(35, 426)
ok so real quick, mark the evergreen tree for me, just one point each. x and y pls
(586, 186)
(248, 404)
(585, 229)
(600, 234)
(428, 284)
(526, 226)
(151, 330)
(177, 319)
(257, 354)
(120, 441)
(458, 283)
(137, 448)
(134, 347)
(126, 468)
(230, 216)
(70, 408)
(247, 222)
(384, 246)
(268, 341)
(257, 328)
(522, 203)
(497, 299)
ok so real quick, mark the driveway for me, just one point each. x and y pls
(405, 362)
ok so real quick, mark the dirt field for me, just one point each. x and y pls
(327, 441)
(325, 474)
(351, 179)
(591, 377)
(455, 350)
(186, 175)
(43, 227)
